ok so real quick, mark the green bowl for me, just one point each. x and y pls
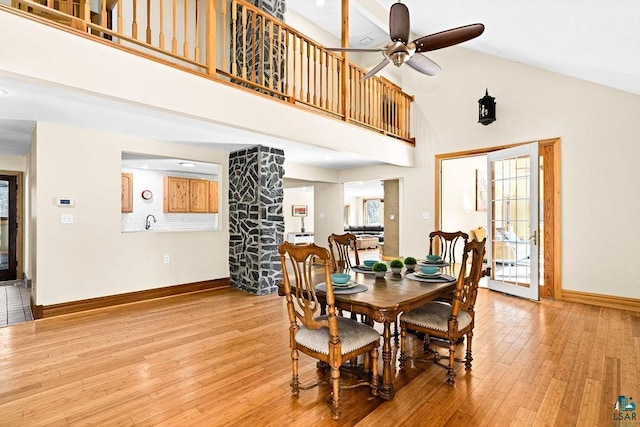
(433, 258)
(340, 278)
(428, 270)
(369, 262)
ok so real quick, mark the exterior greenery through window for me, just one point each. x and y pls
(373, 211)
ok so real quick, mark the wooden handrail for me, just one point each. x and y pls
(243, 44)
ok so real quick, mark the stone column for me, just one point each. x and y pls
(256, 222)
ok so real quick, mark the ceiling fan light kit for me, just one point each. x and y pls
(400, 50)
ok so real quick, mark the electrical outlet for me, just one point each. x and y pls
(167, 259)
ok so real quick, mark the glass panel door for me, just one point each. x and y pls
(512, 244)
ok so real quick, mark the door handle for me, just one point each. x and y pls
(534, 237)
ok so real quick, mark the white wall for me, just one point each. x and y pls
(92, 257)
(295, 196)
(458, 207)
(329, 205)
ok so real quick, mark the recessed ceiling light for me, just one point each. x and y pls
(187, 165)
(320, 3)
(3, 92)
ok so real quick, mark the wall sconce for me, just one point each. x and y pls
(486, 109)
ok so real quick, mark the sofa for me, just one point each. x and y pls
(376, 231)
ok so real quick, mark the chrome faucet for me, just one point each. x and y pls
(147, 222)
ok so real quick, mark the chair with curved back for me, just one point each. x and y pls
(446, 244)
(339, 245)
(448, 321)
(329, 338)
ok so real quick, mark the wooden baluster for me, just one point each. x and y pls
(289, 89)
(322, 79)
(299, 54)
(244, 43)
(233, 59)
(314, 75)
(274, 48)
(263, 35)
(134, 24)
(86, 10)
(213, 36)
(120, 24)
(378, 99)
(308, 54)
(149, 21)
(103, 15)
(185, 30)
(196, 52)
(338, 83)
(161, 33)
(366, 88)
(174, 29)
(254, 47)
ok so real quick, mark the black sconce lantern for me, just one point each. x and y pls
(486, 109)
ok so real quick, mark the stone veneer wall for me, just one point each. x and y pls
(256, 222)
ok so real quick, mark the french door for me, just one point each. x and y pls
(512, 211)
(8, 227)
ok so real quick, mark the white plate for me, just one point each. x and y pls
(428, 276)
(348, 285)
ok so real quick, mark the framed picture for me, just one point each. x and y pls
(481, 190)
(299, 210)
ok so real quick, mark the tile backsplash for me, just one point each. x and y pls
(152, 180)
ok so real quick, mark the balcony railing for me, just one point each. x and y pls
(237, 42)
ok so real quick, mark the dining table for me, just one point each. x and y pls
(383, 299)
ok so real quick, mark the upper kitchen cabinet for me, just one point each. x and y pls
(127, 192)
(176, 194)
(199, 196)
(213, 196)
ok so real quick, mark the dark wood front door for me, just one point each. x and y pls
(8, 227)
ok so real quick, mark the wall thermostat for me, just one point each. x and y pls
(65, 202)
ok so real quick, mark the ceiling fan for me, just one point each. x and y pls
(400, 50)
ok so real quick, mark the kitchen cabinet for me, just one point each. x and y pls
(198, 196)
(213, 196)
(126, 194)
(176, 194)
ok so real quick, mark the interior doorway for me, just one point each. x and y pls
(465, 190)
(8, 227)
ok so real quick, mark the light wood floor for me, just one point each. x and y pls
(221, 358)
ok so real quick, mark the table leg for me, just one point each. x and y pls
(386, 389)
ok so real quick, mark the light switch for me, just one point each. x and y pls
(425, 215)
(66, 218)
(321, 215)
(392, 217)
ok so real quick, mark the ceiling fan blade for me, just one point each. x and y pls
(448, 37)
(354, 49)
(399, 26)
(375, 69)
(423, 64)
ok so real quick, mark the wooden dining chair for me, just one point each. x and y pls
(446, 321)
(339, 245)
(444, 243)
(328, 338)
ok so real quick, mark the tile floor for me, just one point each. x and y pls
(15, 304)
